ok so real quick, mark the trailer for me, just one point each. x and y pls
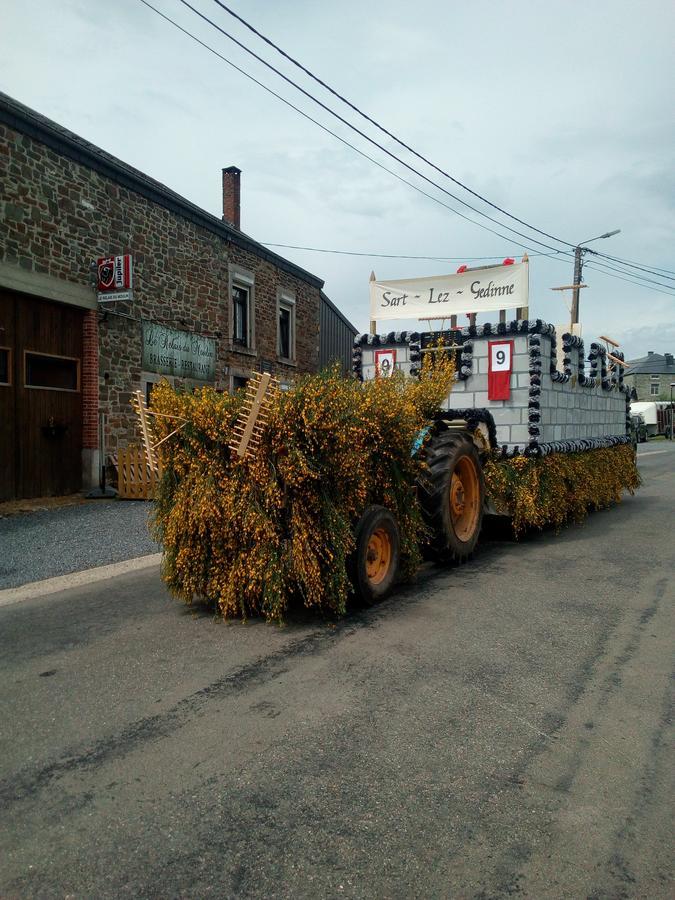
(272, 495)
(657, 415)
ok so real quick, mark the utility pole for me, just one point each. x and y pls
(579, 252)
(578, 265)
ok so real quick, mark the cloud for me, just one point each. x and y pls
(575, 149)
(660, 338)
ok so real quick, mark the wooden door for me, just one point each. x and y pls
(7, 399)
(47, 419)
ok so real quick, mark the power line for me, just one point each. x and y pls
(635, 265)
(381, 128)
(415, 153)
(468, 258)
(623, 271)
(358, 131)
(338, 137)
(664, 289)
(556, 253)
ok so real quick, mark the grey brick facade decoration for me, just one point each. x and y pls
(549, 407)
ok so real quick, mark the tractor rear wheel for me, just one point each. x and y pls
(374, 563)
(452, 496)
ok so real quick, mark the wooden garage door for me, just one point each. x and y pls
(7, 400)
(42, 454)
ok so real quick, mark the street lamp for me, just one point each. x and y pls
(579, 251)
(672, 385)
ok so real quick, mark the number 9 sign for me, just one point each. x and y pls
(500, 365)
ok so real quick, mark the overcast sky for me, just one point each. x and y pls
(560, 112)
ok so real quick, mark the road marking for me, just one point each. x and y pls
(76, 579)
(652, 453)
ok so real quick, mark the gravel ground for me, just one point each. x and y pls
(52, 542)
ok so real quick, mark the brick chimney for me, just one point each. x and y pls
(231, 194)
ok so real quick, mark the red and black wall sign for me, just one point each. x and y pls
(114, 273)
(500, 366)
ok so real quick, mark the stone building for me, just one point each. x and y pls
(208, 304)
(651, 375)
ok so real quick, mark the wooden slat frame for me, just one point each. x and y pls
(253, 417)
(43, 387)
(136, 479)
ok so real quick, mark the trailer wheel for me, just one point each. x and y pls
(374, 563)
(452, 496)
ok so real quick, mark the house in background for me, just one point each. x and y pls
(207, 303)
(336, 337)
(651, 375)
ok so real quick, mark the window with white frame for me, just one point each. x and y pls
(286, 326)
(240, 315)
(654, 390)
(242, 309)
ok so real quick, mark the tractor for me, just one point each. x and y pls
(452, 499)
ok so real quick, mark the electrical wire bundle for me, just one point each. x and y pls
(527, 236)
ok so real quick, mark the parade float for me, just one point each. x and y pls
(272, 499)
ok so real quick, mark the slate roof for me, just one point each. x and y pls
(652, 364)
(27, 121)
(343, 318)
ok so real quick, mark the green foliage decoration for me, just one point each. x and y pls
(548, 491)
(260, 534)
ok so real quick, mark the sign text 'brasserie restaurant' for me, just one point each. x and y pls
(168, 351)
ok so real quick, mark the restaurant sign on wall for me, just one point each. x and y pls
(168, 351)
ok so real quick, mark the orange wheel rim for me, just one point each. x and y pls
(378, 556)
(464, 498)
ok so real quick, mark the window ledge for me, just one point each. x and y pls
(245, 351)
(287, 362)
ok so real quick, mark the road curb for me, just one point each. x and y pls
(76, 579)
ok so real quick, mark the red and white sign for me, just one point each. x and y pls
(114, 273)
(385, 363)
(500, 366)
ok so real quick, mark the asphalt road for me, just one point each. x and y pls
(503, 729)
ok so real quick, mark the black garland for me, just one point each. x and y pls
(473, 417)
(535, 329)
(534, 401)
(466, 361)
(576, 445)
(415, 348)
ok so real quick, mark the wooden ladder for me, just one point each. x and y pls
(254, 415)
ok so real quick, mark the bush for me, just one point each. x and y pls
(258, 534)
(551, 490)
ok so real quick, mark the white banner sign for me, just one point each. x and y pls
(441, 296)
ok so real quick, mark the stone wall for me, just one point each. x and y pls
(643, 386)
(59, 215)
(571, 410)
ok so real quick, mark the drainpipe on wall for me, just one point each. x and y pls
(90, 453)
